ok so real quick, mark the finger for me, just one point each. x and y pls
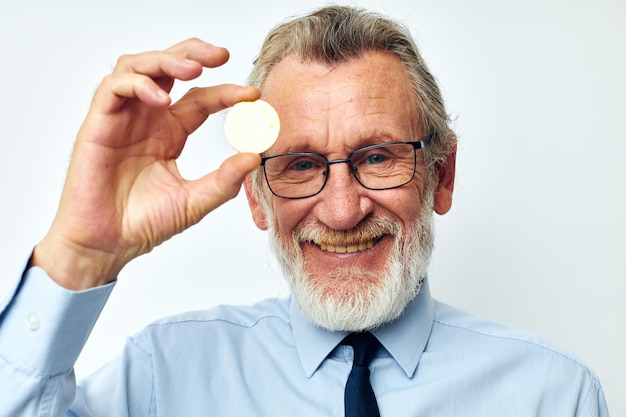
(216, 188)
(115, 89)
(207, 54)
(183, 61)
(195, 106)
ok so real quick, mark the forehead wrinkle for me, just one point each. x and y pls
(353, 132)
(337, 118)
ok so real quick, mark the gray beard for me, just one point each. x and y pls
(378, 298)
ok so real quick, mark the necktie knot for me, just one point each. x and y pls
(365, 346)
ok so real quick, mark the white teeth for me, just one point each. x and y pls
(361, 246)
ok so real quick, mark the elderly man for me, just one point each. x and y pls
(364, 157)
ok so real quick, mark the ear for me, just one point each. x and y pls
(445, 186)
(258, 215)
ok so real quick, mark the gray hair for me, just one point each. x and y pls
(336, 34)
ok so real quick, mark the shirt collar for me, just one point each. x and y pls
(404, 338)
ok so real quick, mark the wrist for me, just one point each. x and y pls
(74, 268)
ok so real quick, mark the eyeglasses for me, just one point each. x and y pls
(376, 167)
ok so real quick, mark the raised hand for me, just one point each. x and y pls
(123, 193)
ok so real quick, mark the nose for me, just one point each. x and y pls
(343, 201)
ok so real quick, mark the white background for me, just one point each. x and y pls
(536, 236)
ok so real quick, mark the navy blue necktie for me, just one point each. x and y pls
(359, 395)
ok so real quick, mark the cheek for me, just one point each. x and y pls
(288, 214)
(407, 213)
(403, 203)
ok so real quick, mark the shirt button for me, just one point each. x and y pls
(33, 321)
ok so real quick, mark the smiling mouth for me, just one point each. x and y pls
(351, 248)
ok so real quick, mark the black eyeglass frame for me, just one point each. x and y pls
(420, 144)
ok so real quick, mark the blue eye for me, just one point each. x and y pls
(376, 159)
(302, 165)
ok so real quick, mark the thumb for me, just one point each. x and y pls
(216, 188)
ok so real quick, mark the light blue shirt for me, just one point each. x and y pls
(267, 360)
